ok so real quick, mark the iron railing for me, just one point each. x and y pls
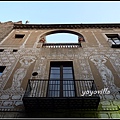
(39, 88)
(37, 95)
(61, 45)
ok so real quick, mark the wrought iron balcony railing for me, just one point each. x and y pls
(46, 94)
(61, 45)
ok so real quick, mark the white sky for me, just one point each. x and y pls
(60, 12)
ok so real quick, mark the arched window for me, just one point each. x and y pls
(62, 38)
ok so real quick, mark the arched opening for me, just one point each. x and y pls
(62, 38)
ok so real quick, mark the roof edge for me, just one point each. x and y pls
(67, 26)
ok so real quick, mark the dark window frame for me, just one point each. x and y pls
(58, 83)
(2, 68)
(15, 50)
(1, 50)
(19, 36)
(114, 39)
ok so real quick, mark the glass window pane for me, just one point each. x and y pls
(55, 71)
(68, 93)
(51, 87)
(57, 82)
(65, 93)
(65, 87)
(57, 87)
(67, 71)
(71, 93)
(57, 94)
(52, 93)
(67, 68)
(55, 68)
(54, 76)
(52, 82)
(65, 82)
(68, 87)
(54, 87)
(0, 74)
(71, 82)
(67, 76)
(117, 41)
(72, 87)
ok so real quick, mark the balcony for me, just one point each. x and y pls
(61, 45)
(36, 96)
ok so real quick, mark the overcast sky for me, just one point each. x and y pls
(60, 12)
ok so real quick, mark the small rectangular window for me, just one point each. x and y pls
(2, 69)
(114, 40)
(1, 50)
(15, 50)
(19, 35)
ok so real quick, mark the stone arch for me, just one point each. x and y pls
(43, 36)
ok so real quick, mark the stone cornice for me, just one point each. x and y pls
(66, 26)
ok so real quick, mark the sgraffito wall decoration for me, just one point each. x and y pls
(95, 60)
(105, 73)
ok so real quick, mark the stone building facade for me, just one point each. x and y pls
(24, 51)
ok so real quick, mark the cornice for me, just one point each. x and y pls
(65, 26)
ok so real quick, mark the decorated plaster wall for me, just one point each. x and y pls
(100, 57)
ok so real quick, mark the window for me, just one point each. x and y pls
(14, 50)
(1, 50)
(62, 38)
(61, 80)
(2, 69)
(114, 40)
(19, 35)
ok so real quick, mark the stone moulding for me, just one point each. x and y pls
(66, 26)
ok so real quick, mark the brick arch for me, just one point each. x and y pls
(80, 36)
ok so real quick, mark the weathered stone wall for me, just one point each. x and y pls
(6, 28)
